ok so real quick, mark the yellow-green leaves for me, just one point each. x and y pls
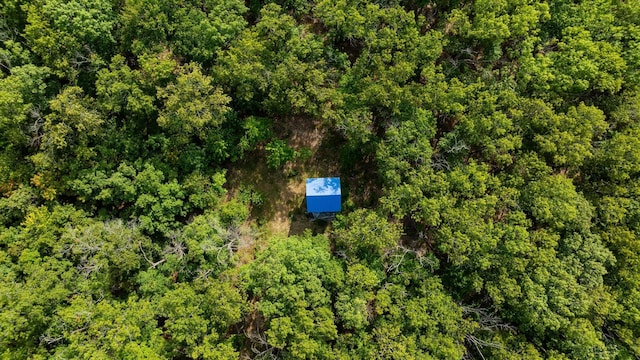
(554, 201)
(70, 36)
(192, 105)
(293, 278)
(121, 89)
(278, 65)
(365, 235)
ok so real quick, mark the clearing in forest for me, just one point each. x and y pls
(283, 190)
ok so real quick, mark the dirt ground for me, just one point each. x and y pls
(283, 191)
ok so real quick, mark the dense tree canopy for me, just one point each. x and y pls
(489, 151)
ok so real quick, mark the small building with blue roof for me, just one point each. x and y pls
(324, 198)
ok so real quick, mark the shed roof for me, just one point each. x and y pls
(323, 186)
(323, 195)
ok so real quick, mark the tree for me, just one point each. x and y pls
(353, 303)
(566, 138)
(279, 153)
(145, 25)
(196, 322)
(392, 57)
(70, 35)
(106, 329)
(121, 89)
(204, 248)
(277, 65)
(36, 277)
(410, 317)
(554, 202)
(192, 104)
(363, 234)
(194, 110)
(483, 30)
(201, 30)
(491, 148)
(485, 129)
(293, 279)
(406, 147)
(67, 141)
(23, 97)
(108, 254)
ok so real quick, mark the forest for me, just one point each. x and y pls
(153, 152)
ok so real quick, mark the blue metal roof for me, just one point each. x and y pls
(323, 195)
(323, 186)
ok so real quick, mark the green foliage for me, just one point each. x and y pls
(203, 191)
(584, 64)
(279, 153)
(353, 304)
(293, 278)
(554, 202)
(405, 147)
(256, 130)
(203, 28)
(15, 204)
(493, 26)
(79, 266)
(13, 54)
(145, 25)
(192, 105)
(70, 36)
(566, 138)
(22, 90)
(194, 320)
(625, 246)
(489, 151)
(143, 194)
(121, 89)
(251, 196)
(35, 277)
(107, 253)
(486, 126)
(393, 57)
(277, 65)
(211, 245)
(22, 96)
(410, 316)
(196, 30)
(234, 212)
(618, 158)
(107, 329)
(66, 142)
(364, 234)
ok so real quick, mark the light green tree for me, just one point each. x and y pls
(294, 278)
(70, 36)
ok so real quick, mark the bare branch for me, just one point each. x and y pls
(176, 248)
(153, 264)
(488, 320)
(49, 340)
